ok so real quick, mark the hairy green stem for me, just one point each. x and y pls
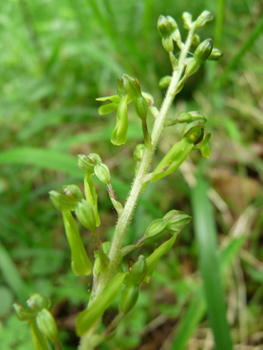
(123, 223)
(138, 184)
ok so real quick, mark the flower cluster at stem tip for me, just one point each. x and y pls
(110, 277)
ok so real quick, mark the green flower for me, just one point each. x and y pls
(193, 137)
(129, 90)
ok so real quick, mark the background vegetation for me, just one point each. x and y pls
(56, 57)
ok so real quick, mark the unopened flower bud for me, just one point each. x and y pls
(187, 18)
(168, 44)
(172, 22)
(85, 214)
(164, 27)
(131, 86)
(176, 220)
(23, 313)
(87, 162)
(192, 67)
(215, 55)
(133, 90)
(47, 325)
(73, 192)
(167, 26)
(128, 299)
(103, 174)
(175, 33)
(203, 51)
(61, 201)
(138, 272)
(140, 106)
(37, 302)
(165, 82)
(205, 17)
(155, 228)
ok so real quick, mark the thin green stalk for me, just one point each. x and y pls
(123, 223)
(130, 205)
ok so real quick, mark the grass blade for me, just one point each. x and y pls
(43, 158)
(252, 37)
(197, 307)
(51, 159)
(205, 230)
(192, 317)
(11, 275)
(221, 5)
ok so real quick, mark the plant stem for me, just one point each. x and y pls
(124, 220)
(138, 184)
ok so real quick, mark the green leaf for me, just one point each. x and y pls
(6, 297)
(205, 230)
(88, 317)
(13, 326)
(43, 158)
(153, 259)
(192, 317)
(229, 251)
(196, 309)
(11, 275)
(50, 159)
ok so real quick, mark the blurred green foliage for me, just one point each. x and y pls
(56, 58)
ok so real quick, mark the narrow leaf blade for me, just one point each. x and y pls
(205, 231)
